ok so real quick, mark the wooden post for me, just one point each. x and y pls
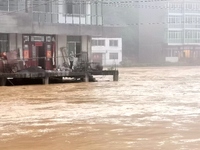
(3, 81)
(116, 76)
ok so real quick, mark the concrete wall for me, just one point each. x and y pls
(13, 41)
(106, 50)
(107, 46)
(110, 62)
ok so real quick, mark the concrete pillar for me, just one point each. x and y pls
(86, 78)
(86, 46)
(28, 6)
(19, 45)
(46, 80)
(61, 42)
(12, 41)
(3, 81)
(88, 13)
(116, 76)
(89, 47)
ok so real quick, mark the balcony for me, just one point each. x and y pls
(60, 18)
(32, 17)
(192, 41)
(175, 26)
(192, 26)
(174, 41)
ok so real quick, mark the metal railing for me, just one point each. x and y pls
(80, 64)
(50, 17)
(54, 12)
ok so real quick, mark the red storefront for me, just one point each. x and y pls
(39, 50)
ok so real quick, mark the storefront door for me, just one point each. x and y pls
(39, 51)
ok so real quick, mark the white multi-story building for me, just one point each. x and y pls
(169, 31)
(183, 30)
(107, 51)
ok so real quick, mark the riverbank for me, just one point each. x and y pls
(159, 64)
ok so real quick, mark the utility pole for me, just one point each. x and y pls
(26, 6)
(183, 25)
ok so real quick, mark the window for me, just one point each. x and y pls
(12, 5)
(69, 8)
(48, 6)
(175, 36)
(113, 56)
(192, 36)
(192, 7)
(188, 34)
(175, 7)
(98, 42)
(75, 8)
(175, 21)
(189, 6)
(3, 5)
(113, 43)
(189, 19)
(3, 43)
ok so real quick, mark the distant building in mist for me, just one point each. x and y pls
(107, 51)
(183, 31)
(169, 31)
(120, 15)
(151, 31)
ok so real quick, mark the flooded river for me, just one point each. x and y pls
(148, 109)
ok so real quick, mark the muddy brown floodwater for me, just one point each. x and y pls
(148, 109)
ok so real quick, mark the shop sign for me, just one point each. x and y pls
(37, 38)
(38, 43)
